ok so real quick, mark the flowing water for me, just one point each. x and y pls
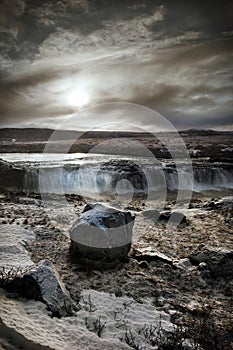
(90, 174)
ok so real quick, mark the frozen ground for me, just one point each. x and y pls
(125, 296)
(30, 319)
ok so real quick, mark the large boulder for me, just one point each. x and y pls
(218, 260)
(101, 233)
(43, 283)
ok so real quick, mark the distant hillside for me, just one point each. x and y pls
(24, 135)
(210, 144)
(202, 132)
(34, 134)
(37, 135)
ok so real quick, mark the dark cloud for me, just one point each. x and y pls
(201, 120)
(173, 56)
(155, 97)
(36, 76)
(211, 18)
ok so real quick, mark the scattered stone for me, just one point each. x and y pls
(218, 260)
(43, 283)
(143, 264)
(167, 216)
(204, 269)
(183, 264)
(150, 254)
(101, 233)
(12, 339)
(202, 266)
(174, 217)
(220, 204)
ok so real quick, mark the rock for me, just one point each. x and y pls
(174, 217)
(12, 177)
(19, 274)
(150, 254)
(218, 260)
(202, 266)
(221, 204)
(43, 283)
(102, 232)
(167, 216)
(204, 269)
(183, 264)
(143, 264)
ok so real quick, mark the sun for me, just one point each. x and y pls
(78, 98)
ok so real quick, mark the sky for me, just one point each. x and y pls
(71, 63)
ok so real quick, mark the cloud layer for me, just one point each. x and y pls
(172, 56)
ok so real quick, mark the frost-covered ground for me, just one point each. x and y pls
(127, 296)
(116, 315)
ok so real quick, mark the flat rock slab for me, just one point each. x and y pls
(13, 253)
(218, 260)
(150, 254)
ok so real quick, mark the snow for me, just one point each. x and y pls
(12, 248)
(31, 320)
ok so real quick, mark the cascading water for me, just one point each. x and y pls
(68, 180)
(90, 180)
(212, 178)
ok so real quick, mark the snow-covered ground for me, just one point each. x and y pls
(119, 316)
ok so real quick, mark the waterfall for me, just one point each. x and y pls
(93, 179)
(212, 178)
(30, 182)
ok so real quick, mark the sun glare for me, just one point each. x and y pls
(78, 98)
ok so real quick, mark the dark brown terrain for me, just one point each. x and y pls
(200, 143)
